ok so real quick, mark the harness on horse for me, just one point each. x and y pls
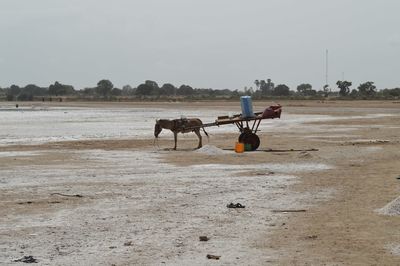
(180, 124)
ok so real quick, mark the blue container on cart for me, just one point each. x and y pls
(247, 106)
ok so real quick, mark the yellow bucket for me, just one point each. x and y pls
(239, 147)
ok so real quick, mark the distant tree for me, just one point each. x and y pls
(226, 92)
(395, 92)
(281, 90)
(104, 87)
(116, 92)
(266, 87)
(248, 91)
(144, 89)
(185, 90)
(235, 94)
(320, 93)
(209, 93)
(25, 96)
(263, 84)
(257, 83)
(53, 89)
(257, 94)
(305, 89)
(10, 97)
(151, 83)
(344, 87)
(353, 93)
(60, 89)
(367, 89)
(161, 91)
(14, 90)
(155, 89)
(127, 90)
(169, 89)
(391, 93)
(89, 91)
(31, 90)
(270, 84)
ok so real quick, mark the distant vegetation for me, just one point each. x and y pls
(150, 90)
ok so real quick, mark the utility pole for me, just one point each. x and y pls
(326, 67)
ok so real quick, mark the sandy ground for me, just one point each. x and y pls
(125, 201)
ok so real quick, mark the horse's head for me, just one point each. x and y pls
(157, 129)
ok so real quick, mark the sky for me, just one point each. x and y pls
(220, 44)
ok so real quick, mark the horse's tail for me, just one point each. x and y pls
(205, 132)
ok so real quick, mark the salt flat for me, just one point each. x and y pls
(86, 185)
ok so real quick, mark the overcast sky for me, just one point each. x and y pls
(204, 43)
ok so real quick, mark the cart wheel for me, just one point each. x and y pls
(250, 138)
(241, 136)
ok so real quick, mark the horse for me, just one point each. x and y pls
(180, 126)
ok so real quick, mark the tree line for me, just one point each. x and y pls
(150, 90)
(366, 90)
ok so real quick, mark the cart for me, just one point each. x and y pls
(248, 126)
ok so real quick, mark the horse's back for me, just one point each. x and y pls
(196, 121)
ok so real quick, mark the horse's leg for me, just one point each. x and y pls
(197, 131)
(175, 139)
